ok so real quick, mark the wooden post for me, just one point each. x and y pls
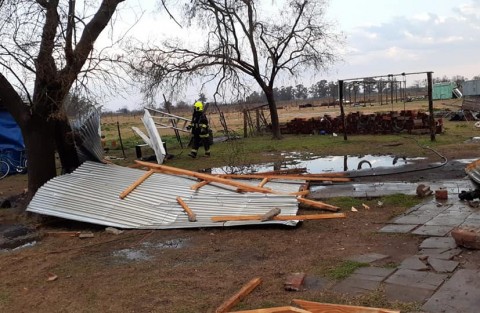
(120, 138)
(430, 106)
(245, 124)
(199, 185)
(342, 112)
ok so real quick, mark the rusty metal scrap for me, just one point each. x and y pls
(358, 123)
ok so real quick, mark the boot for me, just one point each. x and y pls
(193, 154)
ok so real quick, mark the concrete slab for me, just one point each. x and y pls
(414, 263)
(412, 286)
(407, 293)
(394, 228)
(368, 258)
(442, 266)
(419, 279)
(438, 243)
(413, 219)
(461, 293)
(372, 273)
(441, 254)
(375, 271)
(354, 286)
(439, 231)
(316, 283)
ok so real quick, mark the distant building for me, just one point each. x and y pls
(471, 88)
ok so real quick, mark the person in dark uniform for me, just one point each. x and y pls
(200, 131)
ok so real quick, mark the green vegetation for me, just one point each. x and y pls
(344, 269)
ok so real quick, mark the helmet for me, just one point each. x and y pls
(198, 106)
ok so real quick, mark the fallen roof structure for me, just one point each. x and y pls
(92, 194)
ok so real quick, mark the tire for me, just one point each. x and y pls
(4, 169)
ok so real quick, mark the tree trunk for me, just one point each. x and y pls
(40, 152)
(273, 113)
(65, 143)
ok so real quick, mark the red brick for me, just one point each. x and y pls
(294, 281)
(441, 194)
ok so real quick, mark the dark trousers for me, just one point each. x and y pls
(199, 142)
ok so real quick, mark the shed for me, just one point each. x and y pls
(444, 91)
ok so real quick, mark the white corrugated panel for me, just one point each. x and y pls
(91, 194)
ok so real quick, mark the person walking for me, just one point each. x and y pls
(200, 130)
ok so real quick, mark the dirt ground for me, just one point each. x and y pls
(191, 270)
(184, 271)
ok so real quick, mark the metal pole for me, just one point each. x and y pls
(430, 106)
(342, 112)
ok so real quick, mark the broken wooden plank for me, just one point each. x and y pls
(62, 233)
(317, 307)
(237, 297)
(270, 214)
(199, 185)
(192, 217)
(203, 176)
(318, 204)
(281, 309)
(136, 184)
(233, 218)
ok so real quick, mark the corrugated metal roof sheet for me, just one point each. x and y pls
(91, 194)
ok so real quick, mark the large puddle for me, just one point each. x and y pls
(314, 164)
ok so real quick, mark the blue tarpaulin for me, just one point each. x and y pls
(11, 141)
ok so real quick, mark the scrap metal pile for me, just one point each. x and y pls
(358, 123)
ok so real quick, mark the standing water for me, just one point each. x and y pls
(315, 164)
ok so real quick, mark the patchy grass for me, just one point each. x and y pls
(345, 269)
(401, 200)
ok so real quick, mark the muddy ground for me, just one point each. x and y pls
(182, 271)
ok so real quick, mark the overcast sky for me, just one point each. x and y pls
(382, 37)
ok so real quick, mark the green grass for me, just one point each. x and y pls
(400, 200)
(344, 269)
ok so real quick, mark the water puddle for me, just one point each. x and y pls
(142, 254)
(169, 244)
(132, 255)
(314, 164)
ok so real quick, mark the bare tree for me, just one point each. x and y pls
(45, 46)
(244, 43)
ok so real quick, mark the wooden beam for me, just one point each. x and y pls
(127, 191)
(192, 217)
(203, 176)
(263, 182)
(317, 307)
(282, 309)
(233, 218)
(286, 177)
(271, 214)
(199, 185)
(237, 297)
(318, 204)
(302, 193)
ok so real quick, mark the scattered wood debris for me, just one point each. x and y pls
(237, 297)
(317, 307)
